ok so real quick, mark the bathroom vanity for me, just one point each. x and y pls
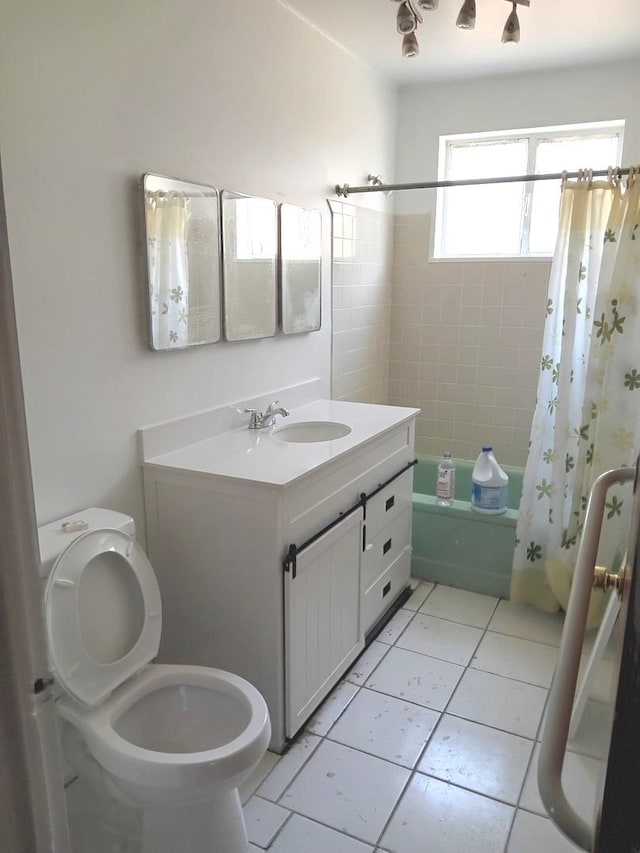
(279, 550)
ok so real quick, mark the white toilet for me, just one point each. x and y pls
(175, 741)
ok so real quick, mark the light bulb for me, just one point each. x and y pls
(467, 15)
(406, 19)
(511, 31)
(410, 46)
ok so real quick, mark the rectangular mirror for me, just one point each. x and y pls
(249, 242)
(183, 263)
(300, 269)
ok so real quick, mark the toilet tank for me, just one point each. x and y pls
(53, 538)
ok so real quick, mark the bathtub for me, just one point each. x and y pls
(456, 546)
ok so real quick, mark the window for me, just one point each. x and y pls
(514, 219)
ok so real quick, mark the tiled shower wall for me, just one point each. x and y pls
(466, 340)
(459, 339)
(362, 256)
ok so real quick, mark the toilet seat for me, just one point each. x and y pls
(174, 771)
(103, 614)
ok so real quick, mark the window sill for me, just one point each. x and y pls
(490, 258)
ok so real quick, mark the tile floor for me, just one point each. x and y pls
(431, 740)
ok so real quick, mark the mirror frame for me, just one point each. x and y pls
(241, 323)
(209, 314)
(297, 285)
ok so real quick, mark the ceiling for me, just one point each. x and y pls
(554, 33)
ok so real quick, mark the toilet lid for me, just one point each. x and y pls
(103, 614)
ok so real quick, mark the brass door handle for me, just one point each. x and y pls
(604, 579)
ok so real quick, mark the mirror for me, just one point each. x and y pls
(183, 263)
(300, 268)
(249, 238)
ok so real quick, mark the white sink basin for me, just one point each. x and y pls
(310, 431)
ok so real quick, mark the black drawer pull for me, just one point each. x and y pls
(389, 503)
(387, 589)
(387, 546)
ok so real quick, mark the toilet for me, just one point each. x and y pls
(173, 741)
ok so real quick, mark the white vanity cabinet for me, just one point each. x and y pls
(280, 582)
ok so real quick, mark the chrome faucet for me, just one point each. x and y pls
(262, 420)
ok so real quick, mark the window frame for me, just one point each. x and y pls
(533, 135)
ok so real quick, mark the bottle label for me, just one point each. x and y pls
(488, 497)
(445, 486)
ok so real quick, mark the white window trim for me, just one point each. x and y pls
(535, 134)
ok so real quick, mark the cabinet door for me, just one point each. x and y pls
(323, 633)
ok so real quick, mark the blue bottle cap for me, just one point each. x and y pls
(486, 447)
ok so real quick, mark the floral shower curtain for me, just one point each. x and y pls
(166, 215)
(587, 416)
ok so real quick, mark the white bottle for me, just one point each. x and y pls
(446, 485)
(489, 484)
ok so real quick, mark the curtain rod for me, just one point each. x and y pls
(344, 190)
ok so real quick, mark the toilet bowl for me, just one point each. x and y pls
(175, 741)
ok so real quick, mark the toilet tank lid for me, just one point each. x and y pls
(53, 538)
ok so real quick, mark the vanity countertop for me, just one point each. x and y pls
(260, 456)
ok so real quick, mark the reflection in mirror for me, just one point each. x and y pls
(183, 262)
(249, 237)
(300, 267)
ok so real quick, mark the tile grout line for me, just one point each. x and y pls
(412, 770)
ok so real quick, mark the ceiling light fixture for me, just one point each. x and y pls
(466, 19)
(409, 18)
(410, 46)
(511, 31)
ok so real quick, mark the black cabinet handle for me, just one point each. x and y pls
(387, 589)
(389, 503)
(387, 546)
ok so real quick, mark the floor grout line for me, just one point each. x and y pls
(413, 770)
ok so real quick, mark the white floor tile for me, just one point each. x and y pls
(459, 605)
(347, 790)
(395, 626)
(502, 703)
(482, 759)
(382, 725)
(532, 833)
(417, 678)
(440, 638)
(302, 835)
(580, 775)
(248, 788)
(437, 816)
(331, 708)
(289, 765)
(529, 623)
(420, 592)
(263, 819)
(366, 663)
(512, 657)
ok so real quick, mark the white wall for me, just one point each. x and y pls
(243, 96)
(564, 96)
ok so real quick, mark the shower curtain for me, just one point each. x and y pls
(166, 219)
(587, 416)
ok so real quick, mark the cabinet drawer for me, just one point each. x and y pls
(380, 594)
(390, 502)
(383, 549)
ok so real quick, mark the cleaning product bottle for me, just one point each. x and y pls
(489, 484)
(446, 484)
